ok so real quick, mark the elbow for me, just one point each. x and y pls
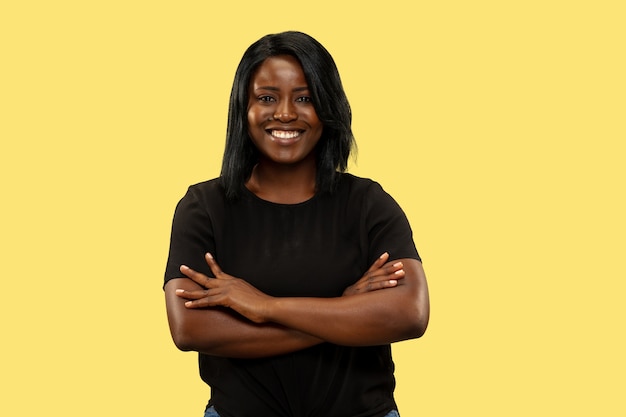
(422, 319)
(420, 328)
(184, 324)
(416, 307)
(416, 330)
(186, 333)
(179, 329)
(183, 342)
(188, 336)
(182, 338)
(420, 313)
(417, 327)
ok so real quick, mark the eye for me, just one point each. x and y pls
(265, 99)
(304, 99)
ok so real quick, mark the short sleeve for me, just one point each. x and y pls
(191, 237)
(388, 229)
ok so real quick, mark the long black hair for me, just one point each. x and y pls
(328, 97)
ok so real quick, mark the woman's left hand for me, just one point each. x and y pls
(380, 275)
(226, 291)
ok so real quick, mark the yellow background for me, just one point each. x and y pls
(498, 126)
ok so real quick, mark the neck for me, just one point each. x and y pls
(283, 184)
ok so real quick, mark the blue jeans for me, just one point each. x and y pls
(212, 413)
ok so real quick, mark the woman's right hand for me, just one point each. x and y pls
(380, 275)
(226, 291)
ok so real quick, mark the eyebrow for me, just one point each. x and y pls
(295, 90)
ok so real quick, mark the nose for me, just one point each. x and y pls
(285, 112)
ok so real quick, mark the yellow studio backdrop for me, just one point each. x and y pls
(498, 126)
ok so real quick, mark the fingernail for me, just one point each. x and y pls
(383, 255)
(392, 282)
(179, 291)
(188, 303)
(399, 272)
(208, 255)
(397, 264)
(184, 267)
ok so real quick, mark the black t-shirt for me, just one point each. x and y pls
(316, 249)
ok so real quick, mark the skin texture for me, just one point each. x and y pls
(279, 101)
(222, 332)
(368, 318)
(226, 316)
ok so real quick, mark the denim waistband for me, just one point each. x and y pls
(210, 412)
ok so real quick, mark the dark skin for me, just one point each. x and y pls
(222, 332)
(226, 316)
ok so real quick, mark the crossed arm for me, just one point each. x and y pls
(226, 316)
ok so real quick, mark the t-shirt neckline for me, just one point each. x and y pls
(255, 197)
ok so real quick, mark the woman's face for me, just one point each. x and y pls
(282, 121)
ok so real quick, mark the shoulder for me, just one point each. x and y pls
(211, 187)
(201, 197)
(353, 183)
(368, 195)
(206, 192)
(361, 187)
(385, 223)
(363, 196)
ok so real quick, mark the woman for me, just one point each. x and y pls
(289, 276)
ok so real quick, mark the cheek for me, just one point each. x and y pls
(251, 116)
(312, 118)
(317, 123)
(256, 116)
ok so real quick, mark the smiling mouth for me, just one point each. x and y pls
(285, 134)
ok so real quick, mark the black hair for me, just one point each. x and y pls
(328, 98)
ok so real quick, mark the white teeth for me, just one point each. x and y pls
(285, 134)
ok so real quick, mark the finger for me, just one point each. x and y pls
(215, 268)
(377, 285)
(383, 284)
(211, 298)
(195, 276)
(199, 299)
(388, 269)
(381, 281)
(393, 268)
(378, 263)
(200, 303)
(385, 272)
(396, 273)
(191, 295)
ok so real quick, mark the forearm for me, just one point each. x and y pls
(222, 332)
(376, 317)
(361, 320)
(373, 318)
